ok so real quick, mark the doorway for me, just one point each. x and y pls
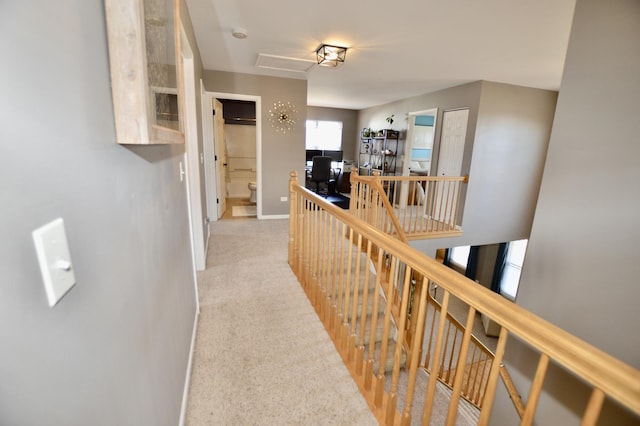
(217, 162)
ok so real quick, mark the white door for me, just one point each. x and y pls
(452, 138)
(220, 156)
(454, 132)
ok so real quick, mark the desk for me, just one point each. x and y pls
(344, 184)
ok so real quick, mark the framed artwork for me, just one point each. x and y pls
(146, 71)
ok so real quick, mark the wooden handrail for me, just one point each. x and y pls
(314, 217)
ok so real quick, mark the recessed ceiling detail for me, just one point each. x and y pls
(284, 64)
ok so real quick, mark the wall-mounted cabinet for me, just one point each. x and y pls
(146, 70)
(378, 152)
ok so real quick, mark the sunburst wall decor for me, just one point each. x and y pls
(283, 116)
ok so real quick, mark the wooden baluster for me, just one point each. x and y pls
(355, 188)
(324, 252)
(483, 383)
(413, 207)
(397, 356)
(423, 208)
(308, 237)
(428, 354)
(447, 207)
(460, 368)
(331, 269)
(433, 185)
(344, 333)
(361, 199)
(341, 285)
(333, 231)
(422, 211)
(293, 197)
(354, 304)
(452, 352)
(300, 241)
(435, 361)
(363, 310)
(446, 345)
(415, 352)
(492, 381)
(315, 259)
(457, 207)
(439, 205)
(534, 392)
(385, 337)
(374, 322)
(592, 412)
(470, 383)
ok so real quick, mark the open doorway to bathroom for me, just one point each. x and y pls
(232, 155)
(239, 118)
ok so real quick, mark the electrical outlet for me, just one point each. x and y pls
(283, 199)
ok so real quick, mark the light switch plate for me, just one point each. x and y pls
(54, 258)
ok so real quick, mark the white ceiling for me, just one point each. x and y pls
(396, 50)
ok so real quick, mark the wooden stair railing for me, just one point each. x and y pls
(477, 368)
(331, 253)
(422, 206)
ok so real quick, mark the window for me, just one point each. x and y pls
(324, 135)
(459, 256)
(512, 268)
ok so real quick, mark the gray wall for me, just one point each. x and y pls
(281, 153)
(581, 270)
(350, 132)
(115, 349)
(464, 96)
(507, 138)
(509, 149)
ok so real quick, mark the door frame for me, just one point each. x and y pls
(199, 235)
(409, 138)
(209, 152)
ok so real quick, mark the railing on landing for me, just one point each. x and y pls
(333, 255)
(421, 206)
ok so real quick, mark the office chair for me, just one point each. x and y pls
(321, 172)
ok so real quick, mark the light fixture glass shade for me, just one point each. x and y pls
(330, 56)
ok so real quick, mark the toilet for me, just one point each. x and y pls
(252, 189)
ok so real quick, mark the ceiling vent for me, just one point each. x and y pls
(283, 63)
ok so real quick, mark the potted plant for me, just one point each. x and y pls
(390, 119)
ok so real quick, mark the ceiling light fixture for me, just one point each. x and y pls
(240, 33)
(330, 56)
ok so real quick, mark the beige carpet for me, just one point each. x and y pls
(262, 356)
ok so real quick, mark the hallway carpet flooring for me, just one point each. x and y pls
(262, 357)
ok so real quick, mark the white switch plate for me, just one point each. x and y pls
(283, 198)
(54, 259)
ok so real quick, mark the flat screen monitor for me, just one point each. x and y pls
(313, 153)
(335, 155)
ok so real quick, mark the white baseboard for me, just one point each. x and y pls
(274, 216)
(187, 379)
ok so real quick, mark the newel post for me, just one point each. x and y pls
(293, 219)
(354, 190)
